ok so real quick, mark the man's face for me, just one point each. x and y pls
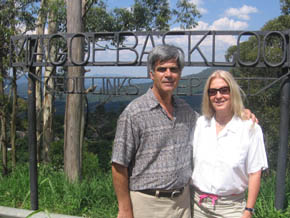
(166, 76)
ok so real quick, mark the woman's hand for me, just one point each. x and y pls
(247, 214)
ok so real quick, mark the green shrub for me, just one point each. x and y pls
(22, 154)
(103, 148)
(90, 166)
(14, 187)
(265, 205)
(92, 197)
(56, 154)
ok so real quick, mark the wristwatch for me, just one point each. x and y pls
(252, 210)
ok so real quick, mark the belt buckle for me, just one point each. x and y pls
(157, 193)
(175, 192)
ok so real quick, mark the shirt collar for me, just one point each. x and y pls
(153, 102)
(231, 126)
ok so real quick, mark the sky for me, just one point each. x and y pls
(226, 14)
(243, 15)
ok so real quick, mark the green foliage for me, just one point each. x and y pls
(144, 15)
(22, 155)
(14, 187)
(285, 7)
(96, 154)
(58, 9)
(103, 149)
(151, 14)
(58, 124)
(91, 166)
(100, 133)
(266, 199)
(266, 104)
(56, 154)
(186, 13)
(14, 13)
(277, 24)
(93, 197)
(123, 19)
(98, 19)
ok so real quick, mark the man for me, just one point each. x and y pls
(152, 152)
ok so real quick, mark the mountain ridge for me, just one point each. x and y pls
(115, 102)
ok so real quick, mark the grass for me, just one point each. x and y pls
(94, 196)
(265, 205)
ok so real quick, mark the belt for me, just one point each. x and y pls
(213, 197)
(163, 193)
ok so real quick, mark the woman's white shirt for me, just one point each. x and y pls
(222, 162)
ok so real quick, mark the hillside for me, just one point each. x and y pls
(116, 102)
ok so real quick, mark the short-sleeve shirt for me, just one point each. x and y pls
(223, 162)
(156, 149)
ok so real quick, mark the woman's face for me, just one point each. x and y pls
(219, 95)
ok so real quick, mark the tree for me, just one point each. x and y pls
(186, 13)
(73, 112)
(285, 7)
(267, 104)
(13, 13)
(150, 15)
(48, 96)
(144, 15)
(40, 26)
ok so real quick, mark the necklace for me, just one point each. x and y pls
(221, 124)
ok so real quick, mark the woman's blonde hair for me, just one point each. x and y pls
(237, 105)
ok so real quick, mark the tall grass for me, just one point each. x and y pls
(94, 197)
(265, 205)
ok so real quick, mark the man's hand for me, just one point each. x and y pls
(247, 114)
(125, 214)
(121, 186)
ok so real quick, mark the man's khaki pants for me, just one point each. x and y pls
(148, 206)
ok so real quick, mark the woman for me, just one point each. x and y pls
(228, 153)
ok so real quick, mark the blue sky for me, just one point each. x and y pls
(227, 14)
(216, 15)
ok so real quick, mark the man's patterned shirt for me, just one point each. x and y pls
(156, 149)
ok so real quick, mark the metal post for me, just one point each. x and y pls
(32, 136)
(283, 147)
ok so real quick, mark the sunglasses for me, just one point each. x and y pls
(223, 90)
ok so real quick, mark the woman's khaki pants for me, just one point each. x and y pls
(225, 207)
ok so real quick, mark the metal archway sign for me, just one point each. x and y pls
(23, 49)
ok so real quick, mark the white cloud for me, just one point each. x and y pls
(222, 24)
(202, 26)
(241, 13)
(233, 19)
(228, 24)
(199, 4)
